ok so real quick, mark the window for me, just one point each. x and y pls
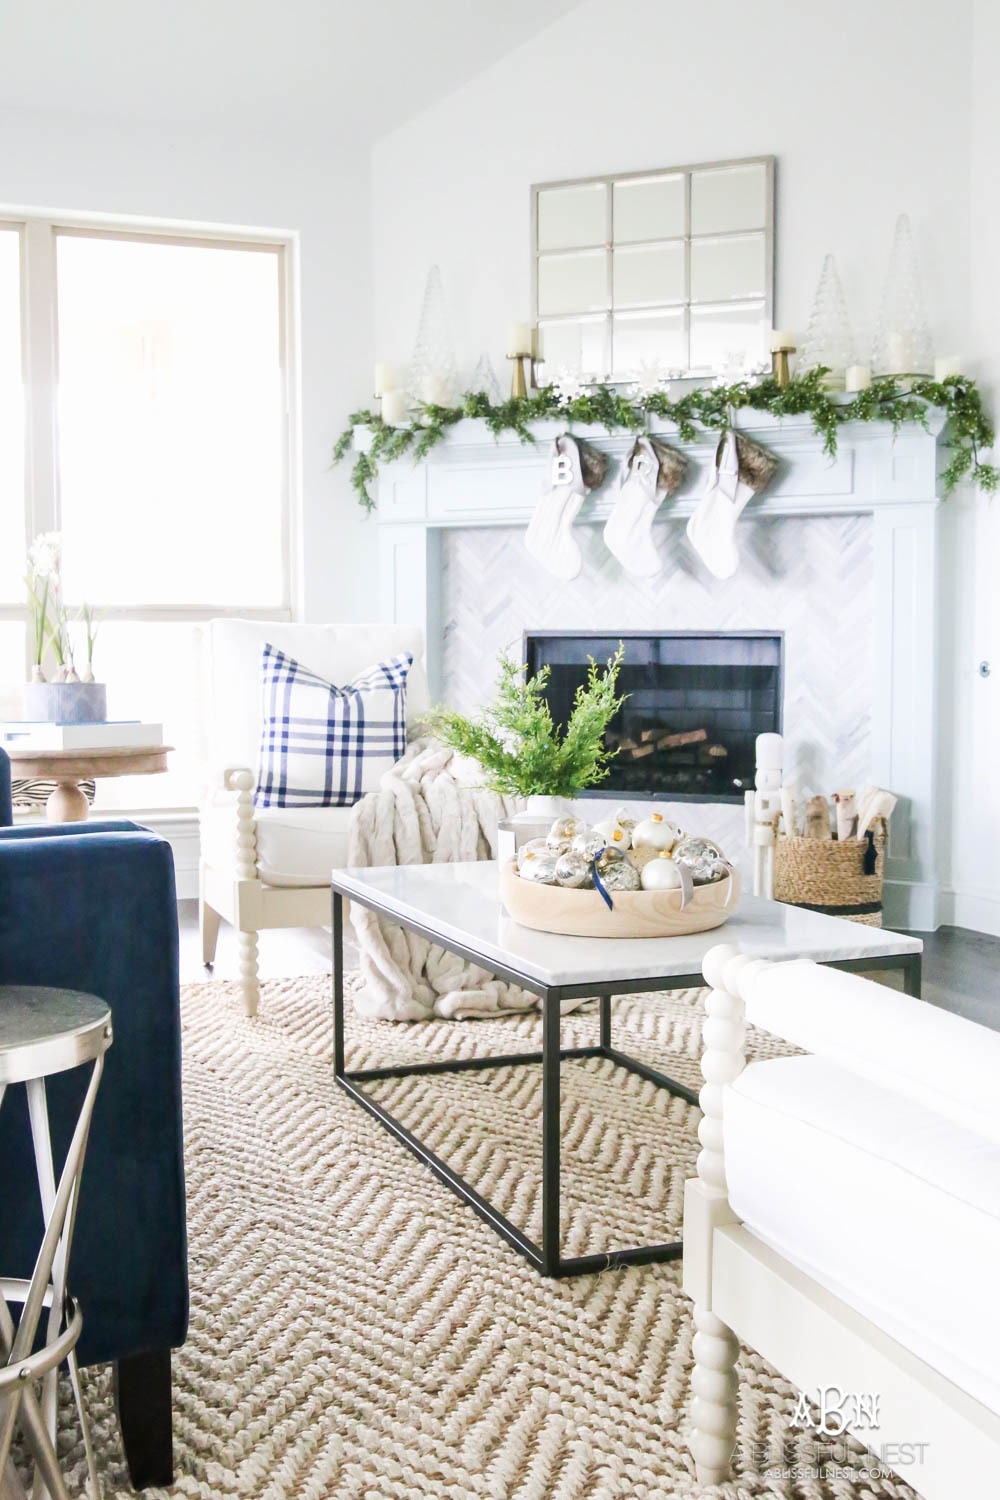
(669, 269)
(158, 436)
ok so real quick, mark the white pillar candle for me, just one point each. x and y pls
(782, 338)
(394, 408)
(857, 378)
(519, 338)
(434, 390)
(385, 379)
(899, 353)
(945, 365)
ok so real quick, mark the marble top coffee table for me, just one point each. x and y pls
(458, 906)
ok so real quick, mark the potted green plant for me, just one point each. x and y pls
(65, 698)
(522, 752)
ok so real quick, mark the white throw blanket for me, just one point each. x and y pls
(431, 808)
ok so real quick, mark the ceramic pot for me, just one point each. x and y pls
(532, 822)
(65, 702)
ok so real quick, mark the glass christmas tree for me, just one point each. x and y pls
(902, 335)
(432, 373)
(828, 339)
(485, 380)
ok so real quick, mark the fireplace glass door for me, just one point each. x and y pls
(696, 701)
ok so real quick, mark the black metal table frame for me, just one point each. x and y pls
(546, 1257)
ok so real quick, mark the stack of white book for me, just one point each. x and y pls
(124, 734)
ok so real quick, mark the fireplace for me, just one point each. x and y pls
(696, 702)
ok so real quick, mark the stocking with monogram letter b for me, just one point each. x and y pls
(575, 468)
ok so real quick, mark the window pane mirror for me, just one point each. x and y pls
(646, 270)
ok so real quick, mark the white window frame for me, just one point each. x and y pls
(39, 358)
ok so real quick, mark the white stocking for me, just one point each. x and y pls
(629, 529)
(549, 537)
(711, 529)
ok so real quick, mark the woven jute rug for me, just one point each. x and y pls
(357, 1332)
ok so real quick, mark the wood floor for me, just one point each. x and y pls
(961, 968)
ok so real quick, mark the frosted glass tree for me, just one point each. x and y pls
(432, 373)
(828, 340)
(485, 380)
(902, 335)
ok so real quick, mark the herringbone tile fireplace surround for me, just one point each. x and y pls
(810, 578)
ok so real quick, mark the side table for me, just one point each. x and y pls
(67, 803)
(42, 1032)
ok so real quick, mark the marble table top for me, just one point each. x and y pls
(460, 903)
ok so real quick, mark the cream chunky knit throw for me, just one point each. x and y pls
(430, 809)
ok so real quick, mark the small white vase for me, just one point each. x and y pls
(546, 808)
(532, 822)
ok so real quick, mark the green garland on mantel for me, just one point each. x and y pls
(889, 398)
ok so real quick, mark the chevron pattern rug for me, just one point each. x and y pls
(357, 1333)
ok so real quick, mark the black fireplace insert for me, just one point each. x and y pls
(696, 702)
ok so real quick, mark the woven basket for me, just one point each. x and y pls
(825, 875)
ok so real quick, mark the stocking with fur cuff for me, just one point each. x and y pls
(576, 468)
(653, 471)
(742, 469)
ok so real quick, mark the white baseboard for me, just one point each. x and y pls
(912, 906)
(977, 909)
(181, 832)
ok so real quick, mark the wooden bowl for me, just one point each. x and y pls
(636, 914)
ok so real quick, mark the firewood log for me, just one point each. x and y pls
(847, 813)
(818, 818)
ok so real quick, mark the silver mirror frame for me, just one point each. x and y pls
(609, 180)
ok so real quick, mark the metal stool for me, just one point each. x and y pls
(45, 1031)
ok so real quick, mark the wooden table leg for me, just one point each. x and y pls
(67, 804)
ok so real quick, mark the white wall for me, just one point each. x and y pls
(974, 526)
(871, 109)
(866, 106)
(318, 191)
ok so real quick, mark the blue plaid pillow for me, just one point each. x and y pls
(325, 746)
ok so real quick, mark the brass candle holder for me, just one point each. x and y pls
(518, 384)
(779, 363)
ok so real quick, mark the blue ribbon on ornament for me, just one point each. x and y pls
(599, 885)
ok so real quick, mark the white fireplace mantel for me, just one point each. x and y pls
(472, 479)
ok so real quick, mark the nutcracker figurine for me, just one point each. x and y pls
(763, 808)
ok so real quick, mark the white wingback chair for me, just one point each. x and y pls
(270, 867)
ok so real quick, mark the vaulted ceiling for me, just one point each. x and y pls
(287, 67)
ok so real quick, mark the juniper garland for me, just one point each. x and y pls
(889, 398)
(515, 741)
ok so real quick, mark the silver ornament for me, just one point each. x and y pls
(563, 832)
(620, 875)
(540, 868)
(532, 847)
(623, 820)
(573, 869)
(588, 843)
(704, 859)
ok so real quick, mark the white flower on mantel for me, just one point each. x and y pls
(45, 554)
(568, 385)
(651, 379)
(736, 365)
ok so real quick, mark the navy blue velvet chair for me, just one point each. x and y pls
(92, 906)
